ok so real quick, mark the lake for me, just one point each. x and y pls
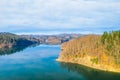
(38, 63)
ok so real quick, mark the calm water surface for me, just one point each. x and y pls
(38, 63)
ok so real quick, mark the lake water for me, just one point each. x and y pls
(38, 63)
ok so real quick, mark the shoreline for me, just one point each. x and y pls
(92, 67)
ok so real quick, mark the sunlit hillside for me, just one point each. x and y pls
(97, 51)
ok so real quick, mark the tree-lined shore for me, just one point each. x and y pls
(8, 40)
(96, 51)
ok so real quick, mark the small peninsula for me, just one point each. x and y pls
(96, 51)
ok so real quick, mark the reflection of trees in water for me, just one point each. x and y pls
(14, 49)
(91, 74)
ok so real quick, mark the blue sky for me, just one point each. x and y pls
(59, 16)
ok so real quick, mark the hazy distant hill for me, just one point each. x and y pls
(53, 39)
(101, 52)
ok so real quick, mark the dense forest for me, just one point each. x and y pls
(97, 51)
(8, 40)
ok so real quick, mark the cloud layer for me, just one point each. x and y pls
(41, 16)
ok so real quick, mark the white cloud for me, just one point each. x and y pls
(59, 14)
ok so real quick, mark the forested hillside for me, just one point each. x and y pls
(7, 40)
(101, 52)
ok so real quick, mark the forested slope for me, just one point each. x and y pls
(97, 51)
(7, 40)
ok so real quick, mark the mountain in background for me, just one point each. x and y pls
(52, 39)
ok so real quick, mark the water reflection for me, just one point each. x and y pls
(91, 74)
(14, 49)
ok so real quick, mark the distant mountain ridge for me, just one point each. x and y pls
(53, 39)
(9, 39)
